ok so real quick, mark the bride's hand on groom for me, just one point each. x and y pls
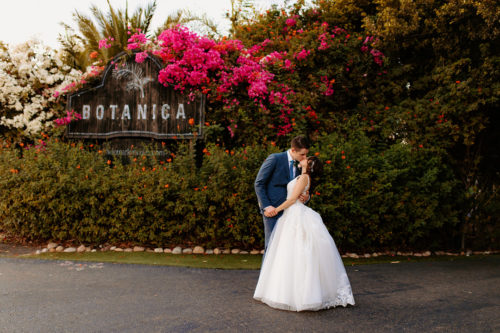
(270, 212)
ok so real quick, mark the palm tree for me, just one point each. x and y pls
(183, 16)
(77, 47)
(241, 10)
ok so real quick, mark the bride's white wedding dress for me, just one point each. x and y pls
(302, 268)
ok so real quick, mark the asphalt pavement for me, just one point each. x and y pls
(69, 296)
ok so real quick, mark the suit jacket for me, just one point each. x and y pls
(271, 181)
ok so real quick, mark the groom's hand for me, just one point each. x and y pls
(304, 197)
(270, 211)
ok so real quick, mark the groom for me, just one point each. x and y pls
(274, 174)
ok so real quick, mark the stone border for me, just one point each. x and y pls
(55, 247)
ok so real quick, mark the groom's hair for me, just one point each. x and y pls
(300, 142)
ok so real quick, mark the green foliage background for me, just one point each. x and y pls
(411, 147)
(368, 200)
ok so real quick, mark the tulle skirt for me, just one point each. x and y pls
(302, 268)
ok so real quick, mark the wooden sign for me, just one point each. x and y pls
(130, 102)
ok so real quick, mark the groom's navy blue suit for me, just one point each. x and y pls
(270, 186)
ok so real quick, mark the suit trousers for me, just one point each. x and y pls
(269, 223)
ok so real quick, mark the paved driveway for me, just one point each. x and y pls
(57, 296)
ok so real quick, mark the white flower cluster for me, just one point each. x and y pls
(30, 74)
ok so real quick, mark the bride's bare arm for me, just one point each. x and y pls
(297, 190)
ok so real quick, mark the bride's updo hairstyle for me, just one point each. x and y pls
(314, 170)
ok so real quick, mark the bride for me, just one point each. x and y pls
(302, 268)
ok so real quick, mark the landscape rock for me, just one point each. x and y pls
(426, 253)
(59, 248)
(374, 254)
(93, 250)
(111, 248)
(198, 250)
(118, 249)
(254, 252)
(159, 250)
(187, 251)
(235, 251)
(138, 249)
(226, 251)
(262, 251)
(45, 250)
(209, 251)
(243, 252)
(417, 254)
(150, 250)
(70, 249)
(177, 250)
(217, 251)
(52, 245)
(81, 249)
(128, 249)
(367, 255)
(52, 250)
(167, 250)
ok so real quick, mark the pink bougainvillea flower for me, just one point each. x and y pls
(328, 85)
(302, 54)
(103, 43)
(141, 56)
(323, 38)
(290, 22)
(136, 41)
(70, 116)
(288, 64)
(377, 56)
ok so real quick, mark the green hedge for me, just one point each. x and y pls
(392, 197)
(74, 194)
